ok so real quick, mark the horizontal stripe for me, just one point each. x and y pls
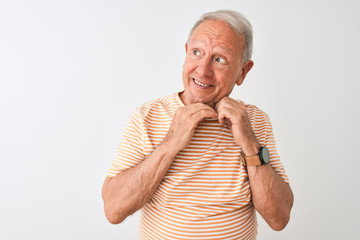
(205, 193)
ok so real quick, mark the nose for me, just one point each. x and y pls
(204, 67)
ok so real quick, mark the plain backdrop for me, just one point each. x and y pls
(72, 72)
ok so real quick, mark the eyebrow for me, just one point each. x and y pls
(217, 46)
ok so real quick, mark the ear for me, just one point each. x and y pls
(186, 47)
(245, 68)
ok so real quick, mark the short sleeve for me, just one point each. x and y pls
(130, 151)
(274, 157)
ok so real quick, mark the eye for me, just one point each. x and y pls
(196, 52)
(220, 60)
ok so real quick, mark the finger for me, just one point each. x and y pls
(203, 114)
(200, 106)
(218, 105)
(221, 117)
(227, 114)
(225, 102)
(212, 113)
(221, 111)
(228, 102)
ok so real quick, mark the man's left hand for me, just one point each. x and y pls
(235, 115)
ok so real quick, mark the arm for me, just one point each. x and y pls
(130, 190)
(271, 195)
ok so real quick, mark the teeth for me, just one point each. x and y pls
(201, 84)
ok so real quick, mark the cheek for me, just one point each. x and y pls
(185, 73)
(189, 63)
(227, 83)
(185, 65)
(187, 68)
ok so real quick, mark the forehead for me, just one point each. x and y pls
(218, 34)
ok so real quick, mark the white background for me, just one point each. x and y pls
(72, 72)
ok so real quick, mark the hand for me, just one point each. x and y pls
(184, 123)
(235, 115)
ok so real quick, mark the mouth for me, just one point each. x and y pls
(200, 83)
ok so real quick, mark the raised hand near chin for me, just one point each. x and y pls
(235, 115)
(184, 123)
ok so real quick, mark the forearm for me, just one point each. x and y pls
(130, 190)
(271, 195)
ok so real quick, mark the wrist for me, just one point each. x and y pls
(262, 157)
(251, 149)
(168, 148)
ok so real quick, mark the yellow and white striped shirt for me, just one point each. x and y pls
(206, 192)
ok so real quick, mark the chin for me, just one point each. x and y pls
(194, 97)
(211, 103)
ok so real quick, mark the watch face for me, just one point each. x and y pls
(265, 155)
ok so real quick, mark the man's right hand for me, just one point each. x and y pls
(184, 123)
(130, 190)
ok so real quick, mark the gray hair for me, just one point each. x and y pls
(238, 22)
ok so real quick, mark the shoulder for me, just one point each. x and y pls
(255, 113)
(166, 105)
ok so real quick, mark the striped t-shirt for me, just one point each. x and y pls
(206, 192)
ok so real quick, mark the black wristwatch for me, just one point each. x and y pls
(263, 157)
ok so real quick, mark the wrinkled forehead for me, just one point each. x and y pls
(201, 42)
(220, 33)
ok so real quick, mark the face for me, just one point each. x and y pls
(213, 63)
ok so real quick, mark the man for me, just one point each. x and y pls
(198, 163)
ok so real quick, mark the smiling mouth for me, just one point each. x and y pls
(200, 83)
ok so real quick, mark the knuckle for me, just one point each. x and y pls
(202, 111)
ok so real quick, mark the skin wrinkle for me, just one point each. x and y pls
(201, 43)
(213, 39)
(130, 190)
(219, 33)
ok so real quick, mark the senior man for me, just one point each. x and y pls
(198, 163)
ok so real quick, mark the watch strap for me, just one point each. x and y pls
(250, 160)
